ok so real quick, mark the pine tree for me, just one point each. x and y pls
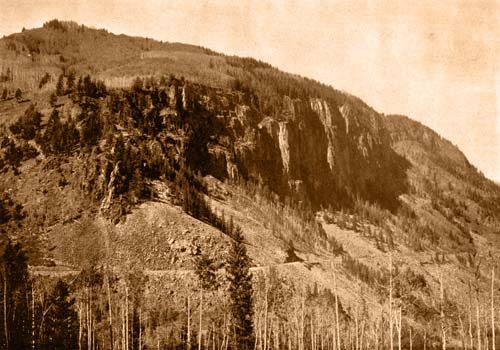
(205, 270)
(138, 85)
(28, 125)
(60, 86)
(15, 331)
(240, 292)
(45, 79)
(90, 132)
(70, 83)
(19, 94)
(52, 133)
(79, 86)
(61, 325)
(72, 134)
(53, 100)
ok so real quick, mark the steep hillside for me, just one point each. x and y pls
(127, 155)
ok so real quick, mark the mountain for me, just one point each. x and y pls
(128, 154)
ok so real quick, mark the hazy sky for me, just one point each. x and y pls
(435, 61)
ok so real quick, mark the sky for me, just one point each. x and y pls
(435, 61)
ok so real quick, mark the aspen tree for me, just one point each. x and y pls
(110, 313)
(276, 333)
(376, 331)
(108, 289)
(5, 322)
(443, 329)
(302, 325)
(89, 330)
(471, 337)
(493, 346)
(188, 340)
(201, 319)
(265, 314)
(356, 326)
(80, 325)
(32, 317)
(399, 326)
(411, 339)
(213, 337)
(337, 326)
(313, 347)
(126, 319)
(390, 302)
(478, 325)
(205, 271)
(462, 330)
(486, 340)
(124, 329)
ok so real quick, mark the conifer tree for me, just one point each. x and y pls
(15, 332)
(60, 86)
(70, 83)
(240, 293)
(52, 132)
(205, 271)
(91, 130)
(28, 125)
(53, 100)
(61, 325)
(19, 94)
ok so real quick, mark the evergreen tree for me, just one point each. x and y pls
(45, 79)
(88, 87)
(53, 100)
(52, 132)
(13, 155)
(240, 292)
(205, 270)
(61, 325)
(90, 132)
(19, 94)
(70, 83)
(71, 133)
(79, 86)
(60, 86)
(138, 85)
(28, 125)
(15, 323)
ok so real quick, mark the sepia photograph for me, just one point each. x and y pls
(249, 175)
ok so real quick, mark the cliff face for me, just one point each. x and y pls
(311, 148)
